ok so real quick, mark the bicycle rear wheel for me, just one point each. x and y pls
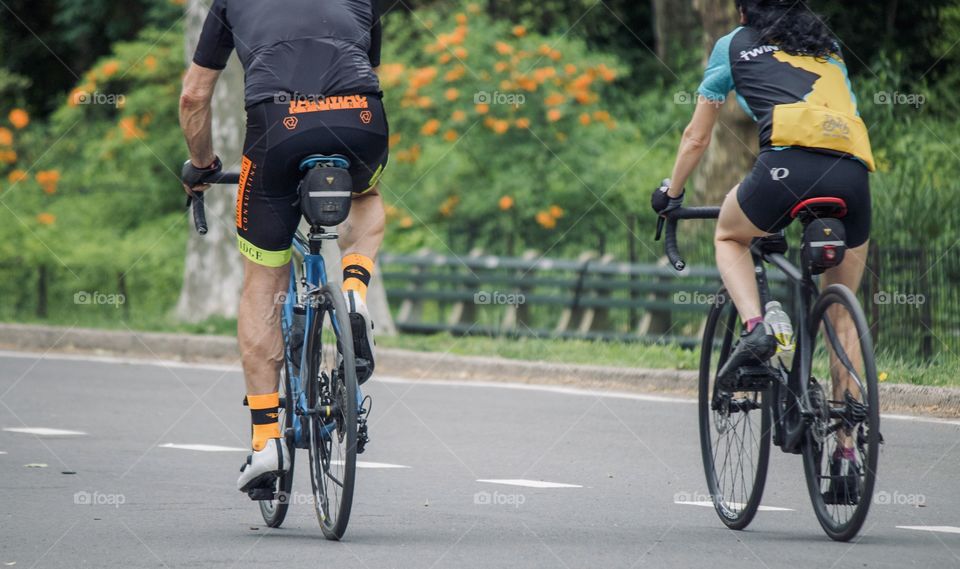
(734, 426)
(274, 511)
(843, 394)
(332, 412)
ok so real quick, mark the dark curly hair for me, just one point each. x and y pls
(791, 26)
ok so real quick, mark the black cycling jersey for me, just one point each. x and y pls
(301, 48)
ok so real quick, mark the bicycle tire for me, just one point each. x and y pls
(339, 386)
(735, 514)
(275, 511)
(868, 440)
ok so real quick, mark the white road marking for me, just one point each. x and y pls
(708, 504)
(44, 431)
(939, 529)
(204, 448)
(3, 452)
(364, 464)
(390, 379)
(529, 483)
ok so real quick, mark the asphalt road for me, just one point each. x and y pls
(114, 495)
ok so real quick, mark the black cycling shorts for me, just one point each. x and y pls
(783, 178)
(279, 136)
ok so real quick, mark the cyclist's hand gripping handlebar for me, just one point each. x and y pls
(670, 219)
(211, 176)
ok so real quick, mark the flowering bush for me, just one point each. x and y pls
(499, 135)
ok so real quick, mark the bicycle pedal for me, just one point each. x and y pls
(259, 494)
(753, 378)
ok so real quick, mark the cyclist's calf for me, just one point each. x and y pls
(258, 325)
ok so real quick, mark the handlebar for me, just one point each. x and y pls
(199, 215)
(671, 219)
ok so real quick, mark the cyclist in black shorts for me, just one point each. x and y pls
(788, 73)
(310, 87)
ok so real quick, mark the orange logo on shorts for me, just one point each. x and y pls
(290, 123)
(366, 117)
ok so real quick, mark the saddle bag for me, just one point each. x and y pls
(824, 244)
(325, 196)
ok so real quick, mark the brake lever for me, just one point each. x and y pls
(660, 221)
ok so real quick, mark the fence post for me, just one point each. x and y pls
(926, 314)
(42, 291)
(632, 252)
(517, 316)
(657, 322)
(597, 318)
(573, 312)
(465, 311)
(411, 309)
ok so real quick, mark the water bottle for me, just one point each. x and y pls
(779, 323)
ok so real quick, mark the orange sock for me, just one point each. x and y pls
(264, 410)
(357, 270)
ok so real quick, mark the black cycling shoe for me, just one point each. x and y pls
(844, 486)
(755, 347)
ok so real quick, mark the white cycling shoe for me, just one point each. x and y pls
(264, 465)
(362, 327)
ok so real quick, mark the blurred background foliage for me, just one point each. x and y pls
(88, 188)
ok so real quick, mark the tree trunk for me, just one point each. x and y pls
(213, 272)
(675, 26)
(734, 146)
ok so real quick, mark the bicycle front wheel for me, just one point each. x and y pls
(734, 426)
(331, 387)
(841, 447)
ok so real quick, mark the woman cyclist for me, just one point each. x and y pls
(788, 73)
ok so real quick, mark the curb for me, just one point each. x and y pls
(896, 398)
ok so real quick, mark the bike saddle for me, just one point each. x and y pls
(324, 161)
(818, 208)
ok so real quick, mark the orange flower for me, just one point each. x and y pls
(8, 156)
(555, 55)
(544, 49)
(584, 119)
(519, 31)
(473, 8)
(150, 62)
(6, 137)
(16, 176)
(460, 52)
(391, 73)
(526, 83)
(46, 218)
(424, 102)
(482, 108)
(451, 94)
(129, 129)
(523, 122)
(503, 48)
(606, 73)
(458, 116)
(430, 127)
(554, 100)
(110, 68)
(569, 69)
(448, 205)
(500, 126)
(542, 74)
(455, 73)
(406, 222)
(445, 57)
(422, 77)
(500, 66)
(19, 118)
(553, 115)
(505, 203)
(602, 116)
(450, 136)
(48, 180)
(461, 18)
(556, 211)
(393, 140)
(546, 220)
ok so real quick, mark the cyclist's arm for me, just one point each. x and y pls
(696, 139)
(196, 114)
